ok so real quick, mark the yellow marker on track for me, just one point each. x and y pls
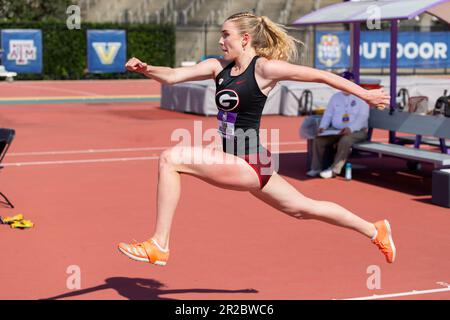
(9, 220)
(17, 222)
(23, 224)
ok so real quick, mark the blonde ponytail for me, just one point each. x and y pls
(269, 39)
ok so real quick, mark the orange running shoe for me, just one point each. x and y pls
(147, 251)
(384, 240)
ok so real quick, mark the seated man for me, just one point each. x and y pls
(348, 116)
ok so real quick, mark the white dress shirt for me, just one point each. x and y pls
(345, 110)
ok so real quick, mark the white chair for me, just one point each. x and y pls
(8, 75)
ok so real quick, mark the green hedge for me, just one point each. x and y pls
(65, 52)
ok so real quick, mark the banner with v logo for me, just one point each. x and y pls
(106, 51)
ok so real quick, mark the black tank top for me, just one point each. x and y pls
(240, 103)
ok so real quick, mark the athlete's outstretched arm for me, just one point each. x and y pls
(280, 70)
(201, 71)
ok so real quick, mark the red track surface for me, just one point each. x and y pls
(223, 242)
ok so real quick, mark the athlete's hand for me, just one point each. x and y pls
(378, 98)
(136, 65)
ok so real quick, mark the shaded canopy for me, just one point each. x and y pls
(360, 11)
(355, 12)
(441, 11)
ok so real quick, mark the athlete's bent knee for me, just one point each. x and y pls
(177, 159)
(167, 159)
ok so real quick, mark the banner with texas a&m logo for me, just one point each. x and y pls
(107, 51)
(22, 50)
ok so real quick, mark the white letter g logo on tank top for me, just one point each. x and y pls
(227, 100)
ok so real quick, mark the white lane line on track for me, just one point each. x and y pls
(59, 162)
(40, 163)
(87, 151)
(92, 151)
(401, 294)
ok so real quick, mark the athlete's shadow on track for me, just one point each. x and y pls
(142, 289)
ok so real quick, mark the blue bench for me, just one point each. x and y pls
(431, 127)
(433, 130)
